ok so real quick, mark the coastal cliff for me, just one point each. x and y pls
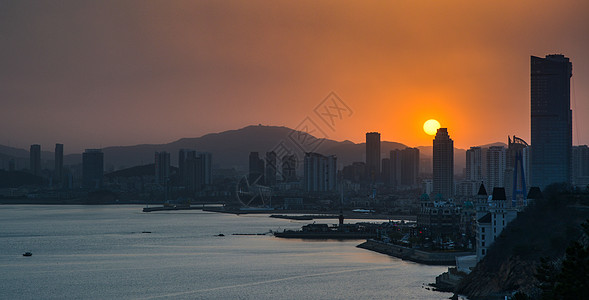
(544, 230)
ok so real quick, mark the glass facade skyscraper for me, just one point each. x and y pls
(551, 120)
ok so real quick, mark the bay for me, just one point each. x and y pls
(119, 252)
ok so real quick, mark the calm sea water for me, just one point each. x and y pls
(100, 252)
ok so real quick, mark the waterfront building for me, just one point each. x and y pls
(320, 172)
(443, 164)
(438, 217)
(92, 168)
(162, 168)
(551, 120)
(490, 225)
(35, 159)
(373, 155)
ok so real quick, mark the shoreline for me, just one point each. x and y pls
(414, 255)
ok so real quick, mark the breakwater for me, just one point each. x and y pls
(424, 257)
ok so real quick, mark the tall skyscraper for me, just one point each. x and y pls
(162, 168)
(551, 120)
(373, 155)
(58, 170)
(92, 168)
(270, 172)
(474, 164)
(495, 167)
(443, 164)
(35, 159)
(320, 172)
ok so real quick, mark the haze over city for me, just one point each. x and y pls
(96, 74)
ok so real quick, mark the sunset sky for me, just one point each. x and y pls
(103, 73)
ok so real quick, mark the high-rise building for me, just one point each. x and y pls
(289, 168)
(182, 167)
(373, 155)
(495, 167)
(551, 120)
(196, 169)
(404, 166)
(409, 166)
(320, 172)
(581, 166)
(58, 170)
(92, 168)
(443, 164)
(474, 164)
(162, 168)
(35, 159)
(256, 169)
(385, 171)
(515, 169)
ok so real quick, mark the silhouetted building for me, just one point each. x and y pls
(270, 174)
(58, 170)
(289, 168)
(256, 169)
(320, 172)
(162, 168)
(581, 166)
(197, 170)
(404, 166)
(356, 172)
(182, 166)
(385, 171)
(443, 164)
(495, 167)
(515, 169)
(373, 155)
(92, 168)
(551, 120)
(35, 159)
(474, 164)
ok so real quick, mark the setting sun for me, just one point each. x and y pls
(431, 126)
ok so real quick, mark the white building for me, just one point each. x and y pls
(492, 223)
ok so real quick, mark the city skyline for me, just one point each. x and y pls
(158, 73)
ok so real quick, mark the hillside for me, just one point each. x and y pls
(543, 230)
(230, 149)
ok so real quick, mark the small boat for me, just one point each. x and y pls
(220, 234)
(27, 254)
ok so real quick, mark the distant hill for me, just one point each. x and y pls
(231, 149)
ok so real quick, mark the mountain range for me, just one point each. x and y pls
(231, 149)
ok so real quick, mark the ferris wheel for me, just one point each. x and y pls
(253, 194)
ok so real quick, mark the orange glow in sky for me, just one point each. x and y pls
(95, 74)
